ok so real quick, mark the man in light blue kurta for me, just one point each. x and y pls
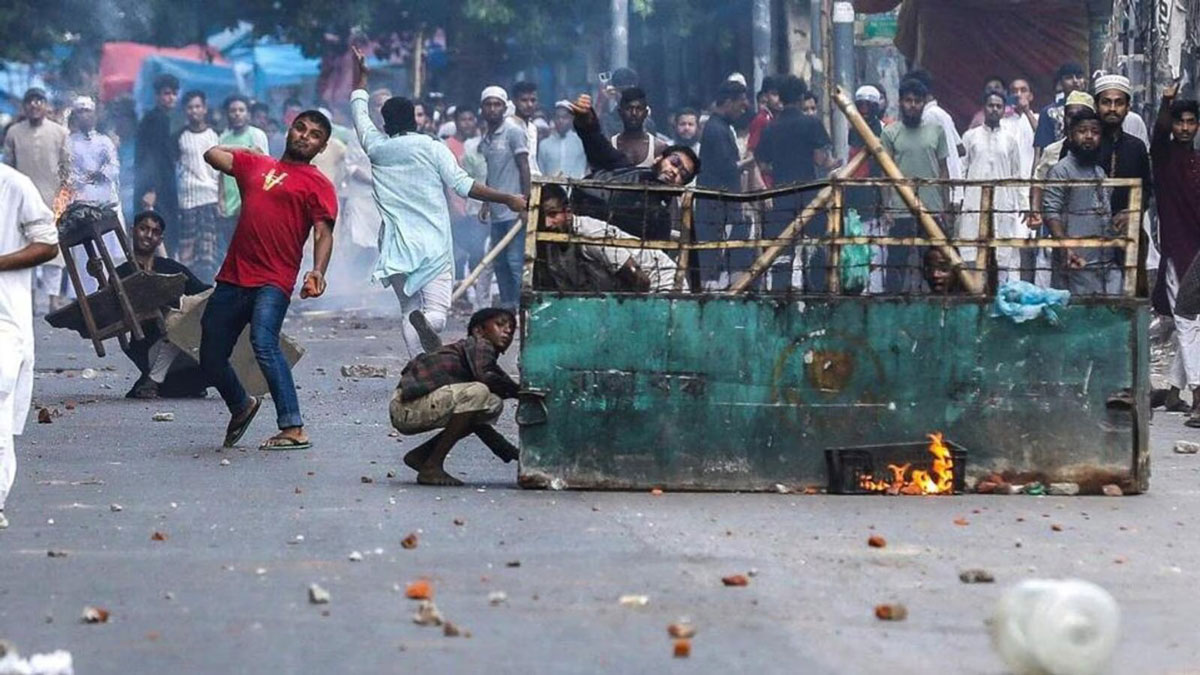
(410, 174)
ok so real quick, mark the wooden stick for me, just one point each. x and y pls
(986, 198)
(907, 194)
(535, 209)
(836, 217)
(1133, 233)
(487, 260)
(687, 215)
(763, 262)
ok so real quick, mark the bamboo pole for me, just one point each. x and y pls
(1133, 234)
(835, 251)
(983, 254)
(487, 260)
(535, 209)
(763, 262)
(932, 229)
(687, 207)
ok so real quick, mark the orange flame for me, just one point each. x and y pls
(938, 480)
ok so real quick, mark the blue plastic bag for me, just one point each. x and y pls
(1022, 301)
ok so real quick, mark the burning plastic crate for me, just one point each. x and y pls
(934, 468)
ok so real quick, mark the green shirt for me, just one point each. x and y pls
(919, 153)
(250, 137)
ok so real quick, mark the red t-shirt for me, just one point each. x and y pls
(280, 203)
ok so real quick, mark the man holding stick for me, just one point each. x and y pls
(410, 174)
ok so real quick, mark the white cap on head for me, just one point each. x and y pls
(83, 103)
(494, 92)
(563, 104)
(737, 77)
(1105, 82)
(869, 94)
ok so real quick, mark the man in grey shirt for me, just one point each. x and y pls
(1083, 211)
(506, 151)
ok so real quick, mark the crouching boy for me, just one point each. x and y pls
(459, 389)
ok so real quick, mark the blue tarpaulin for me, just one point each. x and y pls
(216, 80)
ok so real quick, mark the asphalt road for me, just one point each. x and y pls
(226, 591)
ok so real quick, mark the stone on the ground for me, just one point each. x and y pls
(1187, 447)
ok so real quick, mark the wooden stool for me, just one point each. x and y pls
(119, 306)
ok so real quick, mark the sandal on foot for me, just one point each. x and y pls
(237, 427)
(284, 443)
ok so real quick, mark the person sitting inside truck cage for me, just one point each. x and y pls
(594, 267)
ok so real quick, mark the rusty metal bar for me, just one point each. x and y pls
(1133, 234)
(763, 262)
(687, 213)
(987, 195)
(834, 280)
(629, 242)
(871, 141)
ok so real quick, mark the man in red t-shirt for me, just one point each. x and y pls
(768, 107)
(282, 201)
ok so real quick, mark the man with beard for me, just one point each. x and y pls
(1177, 186)
(639, 147)
(1083, 211)
(992, 155)
(283, 200)
(687, 129)
(1122, 154)
(505, 146)
(411, 173)
(561, 153)
(920, 149)
(165, 369)
(643, 215)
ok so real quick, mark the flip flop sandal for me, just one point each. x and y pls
(234, 433)
(284, 443)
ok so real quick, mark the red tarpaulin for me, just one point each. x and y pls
(121, 61)
(962, 42)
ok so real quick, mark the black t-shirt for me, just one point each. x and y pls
(719, 157)
(788, 145)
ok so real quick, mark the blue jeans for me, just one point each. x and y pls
(509, 264)
(230, 308)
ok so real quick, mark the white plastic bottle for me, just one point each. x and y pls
(1055, 627)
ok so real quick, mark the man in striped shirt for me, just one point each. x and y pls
(199, 216)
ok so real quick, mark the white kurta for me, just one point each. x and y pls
(21, 210)
(992, 154)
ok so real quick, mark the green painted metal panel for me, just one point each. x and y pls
(743, 393)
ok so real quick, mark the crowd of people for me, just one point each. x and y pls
(415, 193)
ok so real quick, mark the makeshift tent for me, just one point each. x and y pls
(962, 42)
(121, 62)
(216, 80)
